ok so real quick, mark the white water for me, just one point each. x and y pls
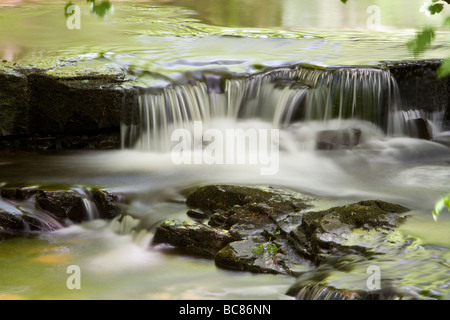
(280, 97)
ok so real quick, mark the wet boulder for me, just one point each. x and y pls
(74, 104)
(273, 230)
(223, 197)
(195, 238)
(330, 232)
(420, 128)
(62, 204)
(14, 99)
(78, 206)
(15, 224)
(71, 205)
(248, 215)
(10, 224)
(338, 139)
(14, 193)
(255, 254)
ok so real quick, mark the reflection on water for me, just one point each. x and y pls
(169, 39)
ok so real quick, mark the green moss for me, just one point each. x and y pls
(224, 197)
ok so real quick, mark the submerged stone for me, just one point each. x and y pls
(338, 139)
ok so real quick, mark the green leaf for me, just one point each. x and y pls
(444, 69)
(436, 8)
(422, 41)
(447, 201)
(438, 207)
(447, 22)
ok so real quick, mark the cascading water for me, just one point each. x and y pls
(278, 97)
(89, 205)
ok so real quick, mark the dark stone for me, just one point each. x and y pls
(338, 139)
(419, 85)
(242, 256)
(269, 231)
(68, 204)
(10, 224)
(99, 140)
(196, 238)
(325, 233)
(62, 204)
(13, 193)
(54, 209)
(223, 197)
(107, 203)
(420, 128)
(15, 225)
(74, 105)
(40, 110)
(197, 214)
(13, 103)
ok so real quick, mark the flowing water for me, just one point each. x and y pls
(231, 66)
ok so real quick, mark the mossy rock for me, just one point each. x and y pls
(66, 205)
(191, 236)
(254, 217)
(326, 232)
(243, 256)
(215, 197)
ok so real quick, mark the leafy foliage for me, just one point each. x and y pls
(425, 37)
(422, 41)
(269, 247)
(440, 206)
(417, 46)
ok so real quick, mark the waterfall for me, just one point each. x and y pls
(279, 97)
(319, 292)
(90, 207)
(369, 94)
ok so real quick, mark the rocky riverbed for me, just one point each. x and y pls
(257, 229)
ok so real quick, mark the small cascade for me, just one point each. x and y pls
(319, 292)
(279, 97)
(92, 212)
(128, 225)
(367, 94)
(422, 124)
(32, 220)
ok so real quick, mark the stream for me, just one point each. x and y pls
(168, 43)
